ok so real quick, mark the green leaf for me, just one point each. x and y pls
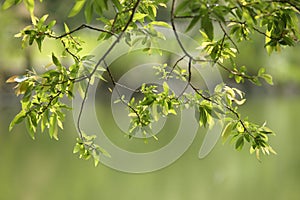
(51, 24)
(17, 119)
(42, 21)
(77, 8)
(53, 128)
(77, 148)
(161, 23)
(8, 3)
(268, 78)
(182, 6)
(30, 6)
(238, 79)
(251, 150)
(45, 120)
(154, 112)
(67, 30)
(39, 43)
(55, 60)
(139, 17)
(96, 159)
(239, 102)
(88, 11)
(203, 116)
(193, 22)
(239, 143)
(100, 5)
(166, 88)
(117, 4)
(261, 71)
(227, 131)
(207, 26)
(31, 129)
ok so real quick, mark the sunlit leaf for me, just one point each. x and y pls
(53, 128)
(161, 23)
(8, 3)
(17, 119)
(227, 131)
(268, 78)
(77, 7)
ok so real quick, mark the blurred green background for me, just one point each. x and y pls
(47, 169)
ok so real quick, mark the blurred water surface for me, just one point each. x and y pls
(47, 169)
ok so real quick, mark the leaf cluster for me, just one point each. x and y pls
(151, 108)
(87, 148)
(42, 98)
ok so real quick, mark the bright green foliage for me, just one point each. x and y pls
(86, 148)
(42, 98)
(151, 108)
(221, 24)
(37, 32)
(28, 3)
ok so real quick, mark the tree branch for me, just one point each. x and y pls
(134, 9)
(83, 26)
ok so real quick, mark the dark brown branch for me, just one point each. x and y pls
(185, 17)
(102, 59)
(118, 92)
(233, 72)
(83, 26)
(81, 109)
(189, 78)
(69, 52)
(175, 30)
(174, 66)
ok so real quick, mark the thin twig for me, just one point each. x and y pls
(119, 94)
(176, 63)
(175, 30)
(83, 26)
(189, 78)
(102, 59)
(81, 109)
(224, 31)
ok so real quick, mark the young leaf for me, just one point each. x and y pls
(18, 118)
(8, 3)
(227, 131)
(268, 78)
(53, 128)
(77, 8)
(30, 127)
(30, 6)
(239, 143)
(166, 88)
(161, 23)
(154, 112)
(76, 148)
